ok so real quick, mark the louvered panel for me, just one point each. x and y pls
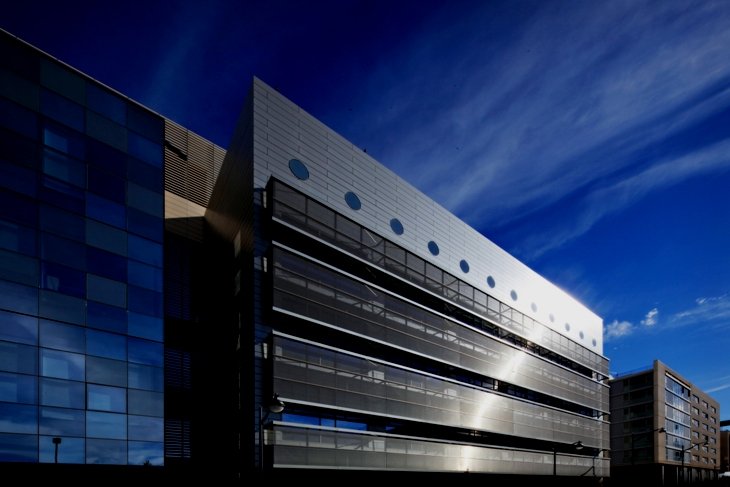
(192, 164)
(177, 438)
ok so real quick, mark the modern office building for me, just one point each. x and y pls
(286, 305)
(663, 428)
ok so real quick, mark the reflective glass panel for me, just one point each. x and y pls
(18, 328)
(145, 453)
(106, 451)
(15, 357)
(105, 398)
(62, 422)
(106, 425)
(63, 279)
(145, 377)
(105, 371)
(62, 337)
(70, 450)
(145, 403)
(61, 307)
(17, 297)
(145, 428)
(62, 365)
(62, 393)
(106, 345)
(105, 317)
(106, 291)
(18, 418)
(18, 448)
(18, 388)
(145, 352)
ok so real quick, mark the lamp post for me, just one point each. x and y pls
(56, 441)
(684, 450)
(594, 458)
(578, 445)
(660, 430)
(276, 405)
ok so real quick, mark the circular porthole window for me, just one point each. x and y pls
(594, 342)
(552, 318)
(533, 307)
(464, 266)
(513, 295)
(581, 335)
(433, 248)
(567, 327)
(396, 226)
(298, 169)
(352, 200)
(490, 281)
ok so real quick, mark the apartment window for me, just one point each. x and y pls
(695, 410)
(713, 409)
(704, 404)
(695, 399)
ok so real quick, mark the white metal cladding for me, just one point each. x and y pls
(283, 131)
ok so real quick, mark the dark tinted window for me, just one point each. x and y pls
(62, 222)
(106, 317)
(18, 328)
(18, 388)
(61, 307)
(62, 393)
(106, 184)
(62, 110)
(62, 365)
(62, 422)
(63, 279)
(106, 345)
(106, 103)
(107, 264)
(15, 357)
(62, 337)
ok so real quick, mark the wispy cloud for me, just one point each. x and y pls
(617, 329)
(707, 311)
(541, 116)
(718, 388)
(651, 317)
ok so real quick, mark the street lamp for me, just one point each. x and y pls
(275, 406)
(684, 450)
(594, 458)
(660, 430)
(56, 441)
(578, 445)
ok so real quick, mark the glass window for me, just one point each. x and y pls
(105, 398)
(19, 150)
(18, 208)
(62, 80)
(145, 377)
(106, 264)
(64, 140)
(62, 194)
(145, 352)
(106, 345)
(18, 89)
(62, 110)
(106, 371)
(63, 279)
(145, 403)
(145, 276)
(106, 237)
(18, 448)
(111, 452)
(144, 149)
(146, 428)
(106, 291)
(107, 158)
(62, 223)
(145, 453)
(106, 103)
(144, 122)
(62, 365)
(63, 337)
(106, 131)
(105, 317)
(15, 357)
(18, 268)
(62, 251)
(62, 422)
(106, 211)
(16, 297)
(18, 328)
(144, 326)
(18, 119)
(145, 250)
(62, 393)
(144, 200)
(18, 388)
(18, 418)
(106, 425)
(143, 224)
(61, 307)
(150, 177)
(70, 450)
(144, 301)
(17, 237)
(108, 185)
(18, 179)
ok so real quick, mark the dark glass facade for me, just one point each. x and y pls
(81, 244)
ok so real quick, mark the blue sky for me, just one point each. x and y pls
(589, 139)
